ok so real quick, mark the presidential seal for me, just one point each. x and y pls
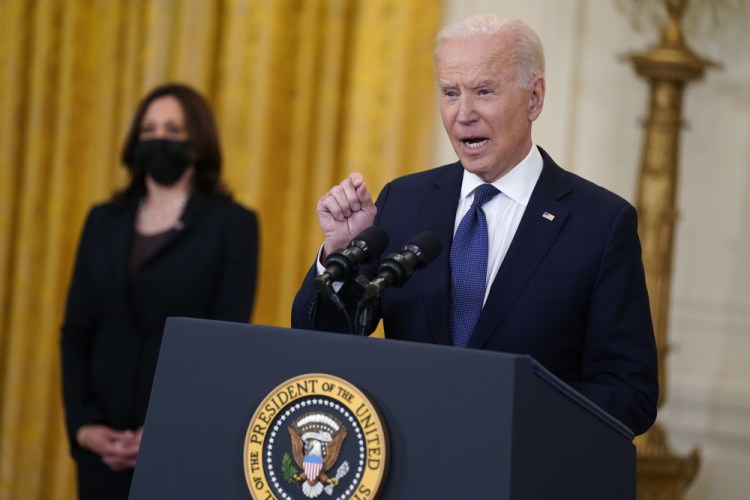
(316, 436)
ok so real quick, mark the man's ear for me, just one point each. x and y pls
(536, 98)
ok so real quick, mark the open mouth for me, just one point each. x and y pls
(474, 142)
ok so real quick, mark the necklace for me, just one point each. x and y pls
(174, 207)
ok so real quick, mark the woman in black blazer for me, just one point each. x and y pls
(172, 243)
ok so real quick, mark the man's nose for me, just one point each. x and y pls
(467, 112)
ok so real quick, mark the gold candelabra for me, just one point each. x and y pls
(667, 67)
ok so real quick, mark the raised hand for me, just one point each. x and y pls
(344, 212)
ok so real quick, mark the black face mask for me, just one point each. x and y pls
(164, 160)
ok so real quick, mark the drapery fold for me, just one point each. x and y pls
(305, 92)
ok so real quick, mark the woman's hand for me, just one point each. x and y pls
(118, 449)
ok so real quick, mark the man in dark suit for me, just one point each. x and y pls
(563, 276)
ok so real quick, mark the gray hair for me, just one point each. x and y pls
(529, 53)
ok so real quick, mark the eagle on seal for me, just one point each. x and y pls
(316, 444)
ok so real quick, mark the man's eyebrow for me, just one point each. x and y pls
(473, 86)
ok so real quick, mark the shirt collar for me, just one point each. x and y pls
(517, 184)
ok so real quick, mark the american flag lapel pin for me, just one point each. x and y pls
(548, 216)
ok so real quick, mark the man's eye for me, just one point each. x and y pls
(485, 92)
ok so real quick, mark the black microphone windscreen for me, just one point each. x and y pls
(427, 246)
(375, 239)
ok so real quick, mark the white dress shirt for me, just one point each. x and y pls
(505, 210)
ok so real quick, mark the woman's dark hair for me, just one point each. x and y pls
(204, 142)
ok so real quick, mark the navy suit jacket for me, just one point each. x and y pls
(571, 291)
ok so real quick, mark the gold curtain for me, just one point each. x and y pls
(305, 92)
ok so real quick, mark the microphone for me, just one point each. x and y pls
(341, 264)
(396, 268)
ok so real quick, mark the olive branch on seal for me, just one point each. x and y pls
(288, 470)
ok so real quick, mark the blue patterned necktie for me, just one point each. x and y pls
(469, 267)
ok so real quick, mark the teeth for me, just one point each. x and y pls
(473, 144)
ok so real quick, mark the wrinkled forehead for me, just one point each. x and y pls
(483, 58)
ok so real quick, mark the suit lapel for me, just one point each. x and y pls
(122, 240)
(438, 215)
(535, 234)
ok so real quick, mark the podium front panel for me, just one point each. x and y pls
(462, 423)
